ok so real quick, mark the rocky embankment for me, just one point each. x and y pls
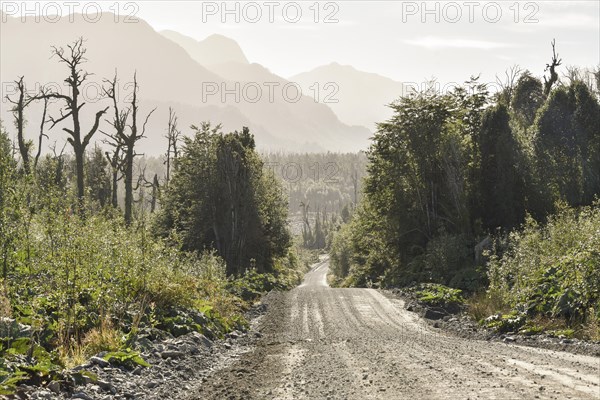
(458, 322)
(177, 365)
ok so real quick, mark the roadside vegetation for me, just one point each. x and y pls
(495, 195)
(86, 271)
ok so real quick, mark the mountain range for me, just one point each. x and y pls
(208, 80)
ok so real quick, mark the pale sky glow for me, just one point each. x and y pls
(398, 39)
(432, 42)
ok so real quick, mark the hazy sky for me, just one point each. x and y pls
(407, 41)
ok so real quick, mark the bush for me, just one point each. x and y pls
(90, 280)
(439, 296)
(553, 270)
(505, 323)
(485, 303)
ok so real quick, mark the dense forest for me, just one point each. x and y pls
(496, 195)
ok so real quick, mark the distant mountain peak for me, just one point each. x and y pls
(214, 49)
(362, 97)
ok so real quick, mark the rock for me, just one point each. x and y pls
(54, 387)
(44, 395)
(227, 345)
(106, 386)
(172, 354)
(510, 339)
(81, 367)
(566, 341)
(151, 384)
(434, 314)
(201, 339)
(101, 362)
(233, 335)
(81, 395)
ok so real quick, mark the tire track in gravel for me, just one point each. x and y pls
(326, 343)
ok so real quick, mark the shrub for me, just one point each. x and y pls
(553, 270)
(439, 295)
(485, 303)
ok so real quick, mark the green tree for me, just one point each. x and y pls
(501, 186)
(567, 144)
(97, 177)
(218, 197)
(7, 191)
(586, 124)
(527, 98)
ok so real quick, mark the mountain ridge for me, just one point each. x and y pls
(167, 74)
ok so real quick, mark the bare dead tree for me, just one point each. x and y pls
(307, 235)
(154, 187)
(115, 139)
(588, 76)
(126, 140)
(74, 57)
(18, 110)
(115, 161)
(572, 74)
(172, 137)
(42, 96)
(509, 81)
(548, 82)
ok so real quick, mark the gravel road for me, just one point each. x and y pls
(325, 343)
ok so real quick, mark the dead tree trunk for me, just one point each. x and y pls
(42, 135)
(75, 79)
(126, 141)
(548, 83)
(18, 109)
(172, 138)
(155, 188)
(114, 160)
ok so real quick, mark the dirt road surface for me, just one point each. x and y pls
(325, 343)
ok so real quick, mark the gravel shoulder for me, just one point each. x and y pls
(178, 366)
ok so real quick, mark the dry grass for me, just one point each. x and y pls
(547, 324)
(105, 337)
(484, 304)
(71, 354)
(5, 308)
(591, 328)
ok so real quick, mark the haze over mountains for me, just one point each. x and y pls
(208, 80)
(361, 96)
